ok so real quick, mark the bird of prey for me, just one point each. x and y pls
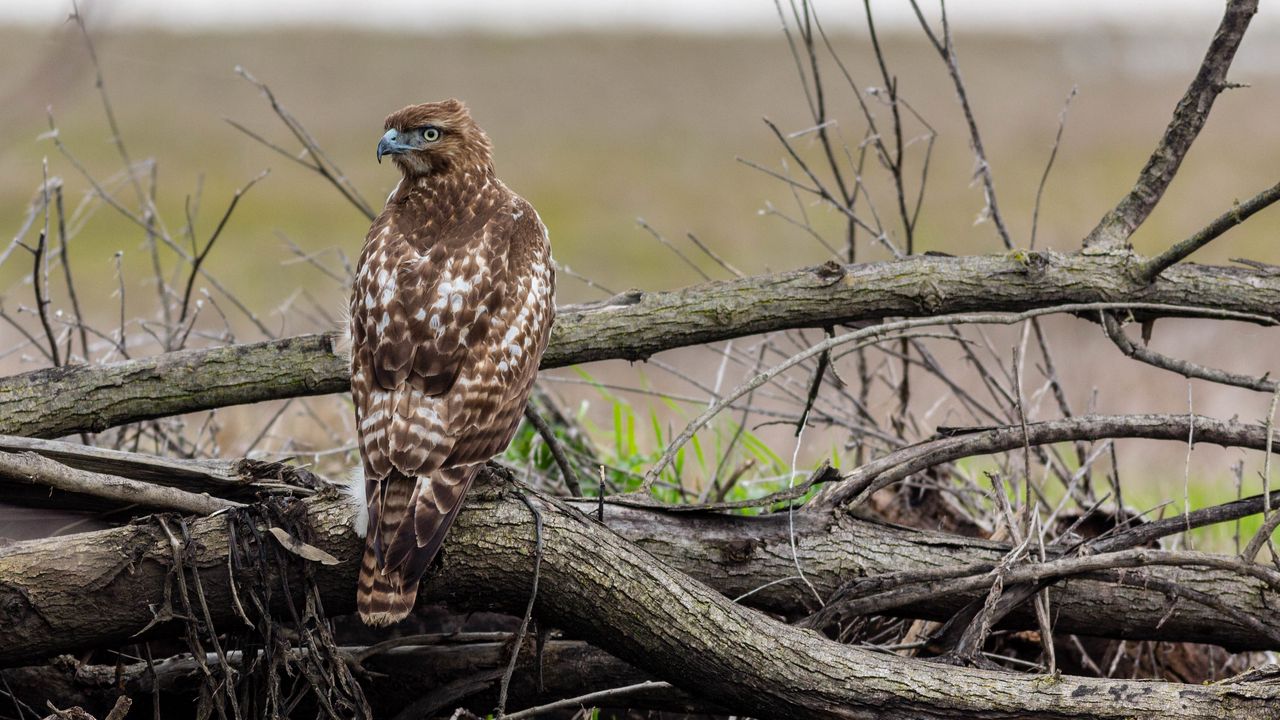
(450, 313)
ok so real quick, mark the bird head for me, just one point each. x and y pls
(435, 137)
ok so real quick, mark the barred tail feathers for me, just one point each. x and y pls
(415, 516)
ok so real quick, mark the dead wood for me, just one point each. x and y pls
(101, 588)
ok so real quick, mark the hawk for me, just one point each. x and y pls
(450, 313)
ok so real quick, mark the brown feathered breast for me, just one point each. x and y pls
(450, 313)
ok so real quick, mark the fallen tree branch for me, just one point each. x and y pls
(62, 401)
(751, 557)
(876, 595)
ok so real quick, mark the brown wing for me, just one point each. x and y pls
(416, 314)
(487, 404)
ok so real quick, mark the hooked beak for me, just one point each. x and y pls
(388, 145)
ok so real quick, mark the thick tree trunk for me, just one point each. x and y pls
(62, 401)
(101, 588)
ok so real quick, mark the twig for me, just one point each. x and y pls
(198, 259)
(712, 254)
(1272, 521)
(1149, 532)
(518, 639)
(667, 244)
(40, 274)
(824, 360)
(557, 452)
(1188, 119)
(321, 162)
(117, 138)
(1238, 213)
(946, 49)
(1053, 154)
(1182, 367)
(599, 697)
(861, 482)
(67, 274)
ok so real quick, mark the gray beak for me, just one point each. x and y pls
(389, 145)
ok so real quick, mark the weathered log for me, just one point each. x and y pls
(101, 588)
(61, 401)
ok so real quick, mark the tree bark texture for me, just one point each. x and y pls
(634, 326)
(102, 588)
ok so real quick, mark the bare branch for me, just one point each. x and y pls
(1188, 119)
(900, 464)
(1224, 222)
(1182, 367)
(636, 325)
(946, 49)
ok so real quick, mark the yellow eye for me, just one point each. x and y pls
(431, 134)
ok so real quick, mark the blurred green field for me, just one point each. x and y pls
(598, 130)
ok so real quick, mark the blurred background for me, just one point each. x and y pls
(602, 113)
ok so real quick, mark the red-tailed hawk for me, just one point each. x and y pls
(450, 313)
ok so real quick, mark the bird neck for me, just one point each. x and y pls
(452, 202)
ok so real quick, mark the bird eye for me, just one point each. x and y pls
(431, 134)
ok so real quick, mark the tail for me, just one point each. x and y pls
(412, 517)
